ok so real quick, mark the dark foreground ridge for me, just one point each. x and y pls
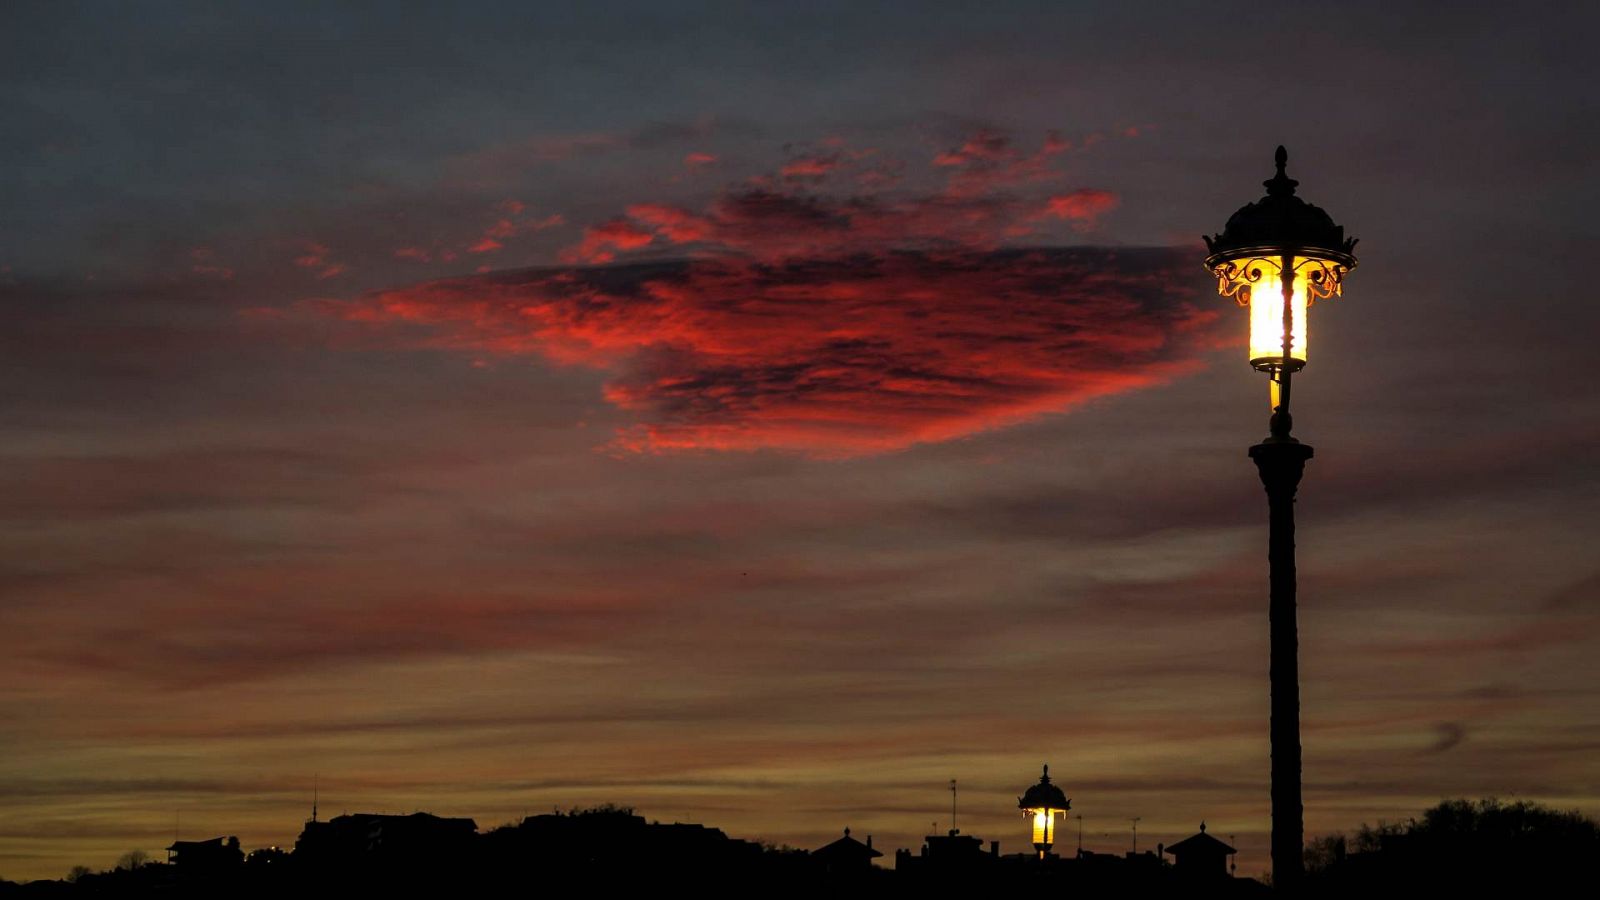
(1455, 846)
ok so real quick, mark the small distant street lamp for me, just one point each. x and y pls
(1276, 257)
(1044, 803)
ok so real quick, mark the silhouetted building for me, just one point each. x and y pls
(846, 855)
(266, 856)
(947, 853)
(1201, 855)
(205, 856)
(359, 838)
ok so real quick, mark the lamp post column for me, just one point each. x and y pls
(1281, 249)
(1280, 461)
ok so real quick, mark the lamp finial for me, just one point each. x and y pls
(1281, 183)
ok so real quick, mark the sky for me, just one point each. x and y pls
(761, 415)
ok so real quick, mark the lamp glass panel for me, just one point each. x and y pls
(1266, 312)
(1043, 822)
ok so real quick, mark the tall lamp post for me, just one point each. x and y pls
(1276, 257)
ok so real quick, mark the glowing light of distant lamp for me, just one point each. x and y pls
(1044, 805)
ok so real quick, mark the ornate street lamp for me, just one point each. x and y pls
(1044, 804)
(1276, 257)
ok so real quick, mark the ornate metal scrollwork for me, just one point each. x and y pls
(1323, 279)
(1234, 279)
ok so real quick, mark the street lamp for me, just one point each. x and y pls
(1276, 257)
(1044, 803)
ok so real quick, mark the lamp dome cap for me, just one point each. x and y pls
(1280, 222)
(1044, 795)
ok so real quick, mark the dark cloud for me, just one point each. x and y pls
(702, 129)
(196, 646)
(508, 161)
(1579, 596)
(1450, 735)
(1515, 639)
(1354, 481)
(73, 488)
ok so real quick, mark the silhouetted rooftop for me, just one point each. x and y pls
(848, 847)
(1202, 842)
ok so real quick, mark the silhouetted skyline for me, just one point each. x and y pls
(767, 415)
(1453, 846)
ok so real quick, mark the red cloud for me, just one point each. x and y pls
(810, 168)
(204, 264)
(832, 325)
(989, 161)
(981, 147)
(315, 257)
(1082, 206)
(771, 224)
(511, 225)
(696, 160)
(773, 218)
(831, 357)
(677, 226)
(601, 241)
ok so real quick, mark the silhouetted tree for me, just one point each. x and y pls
(603, 809)
(131, 860)
(1370, 839)
(1324, 852)
(1477, 845)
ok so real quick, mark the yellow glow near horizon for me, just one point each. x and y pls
(1266, 313)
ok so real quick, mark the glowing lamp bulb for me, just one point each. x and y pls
(1266, 316)
(1044, 828)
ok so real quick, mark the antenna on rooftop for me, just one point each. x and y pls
(953, 829)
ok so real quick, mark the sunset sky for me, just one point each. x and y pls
(760, 415)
